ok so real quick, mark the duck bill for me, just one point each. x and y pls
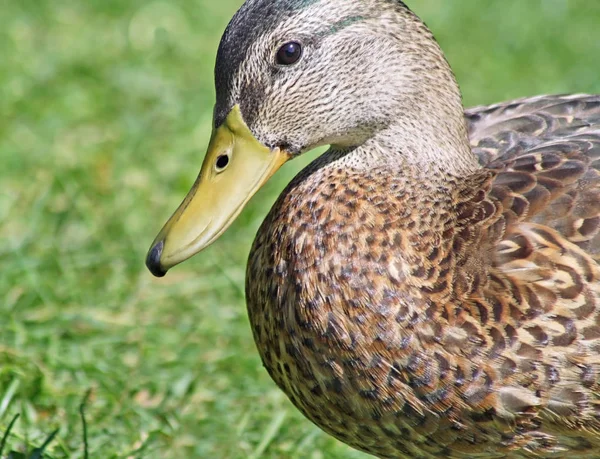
(236, 166)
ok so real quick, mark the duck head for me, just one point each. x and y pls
(292, 75)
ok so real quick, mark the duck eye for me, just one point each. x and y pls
(290, 53)
(222, 163)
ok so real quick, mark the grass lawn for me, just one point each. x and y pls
(105, 110)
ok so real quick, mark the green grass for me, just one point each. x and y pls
(105, 110)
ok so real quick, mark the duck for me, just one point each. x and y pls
(429, 287)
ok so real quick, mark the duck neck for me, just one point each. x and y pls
(418, 118)
(424, 147)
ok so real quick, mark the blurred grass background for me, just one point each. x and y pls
(105, 110)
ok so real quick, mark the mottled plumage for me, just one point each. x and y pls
(450, 317)
(430, 286)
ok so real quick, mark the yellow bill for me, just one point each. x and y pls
(235, 167)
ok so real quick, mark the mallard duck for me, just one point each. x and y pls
(430, 286)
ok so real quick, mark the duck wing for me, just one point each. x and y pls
(546, 151)
(543, 290)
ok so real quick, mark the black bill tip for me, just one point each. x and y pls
(153, 260)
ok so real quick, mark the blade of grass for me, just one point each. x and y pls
(7, 433)
(269, 434)
(8, 396)
(38, 453)
(84, 423)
